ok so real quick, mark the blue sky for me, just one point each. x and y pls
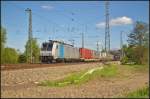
(66, 20)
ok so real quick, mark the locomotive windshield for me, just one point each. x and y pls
(47, 46)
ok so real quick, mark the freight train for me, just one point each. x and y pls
(56, 51)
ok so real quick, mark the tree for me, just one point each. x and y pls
(3, 37)
(10, 55)
(127, 55)
(138, 42)
(138, 37)
(3, 41)
(35, 51)
(146, 39)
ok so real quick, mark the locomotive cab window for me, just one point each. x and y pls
(50, 45)
(44, 46)
(47, 46)
(56, 46)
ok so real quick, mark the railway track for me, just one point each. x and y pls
(28, 66)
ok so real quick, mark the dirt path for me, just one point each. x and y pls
(96, 88)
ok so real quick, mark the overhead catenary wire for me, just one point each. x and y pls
(34, 13)
(46, 19)
(50, 21)
(59, 14)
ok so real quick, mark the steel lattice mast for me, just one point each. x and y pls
(107, 34)
(30, 32)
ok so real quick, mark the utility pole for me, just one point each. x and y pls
(83, 36)
(82, 40)
(121, 44)
(30, 32)
(97, 46)
(107, 34)
(53, 33)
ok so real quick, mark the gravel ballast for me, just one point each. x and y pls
(19, 83)
(39, 74)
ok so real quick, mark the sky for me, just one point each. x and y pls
(66, 20)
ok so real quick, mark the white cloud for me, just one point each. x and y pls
(116, 22)
(100, 25)
(48, 7)
(121, 21)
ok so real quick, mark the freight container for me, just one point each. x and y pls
(85, 53)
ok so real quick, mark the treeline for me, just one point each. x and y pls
(137, 50)
(12, 56)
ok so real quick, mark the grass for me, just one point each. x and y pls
(140, 93)
(83, 76)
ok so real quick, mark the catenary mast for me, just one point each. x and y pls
(30, 33)
(107, 32)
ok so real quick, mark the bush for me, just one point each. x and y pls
(145, 57)
(10, 55)
(22, 59)
(136, 55)
(124, 60)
